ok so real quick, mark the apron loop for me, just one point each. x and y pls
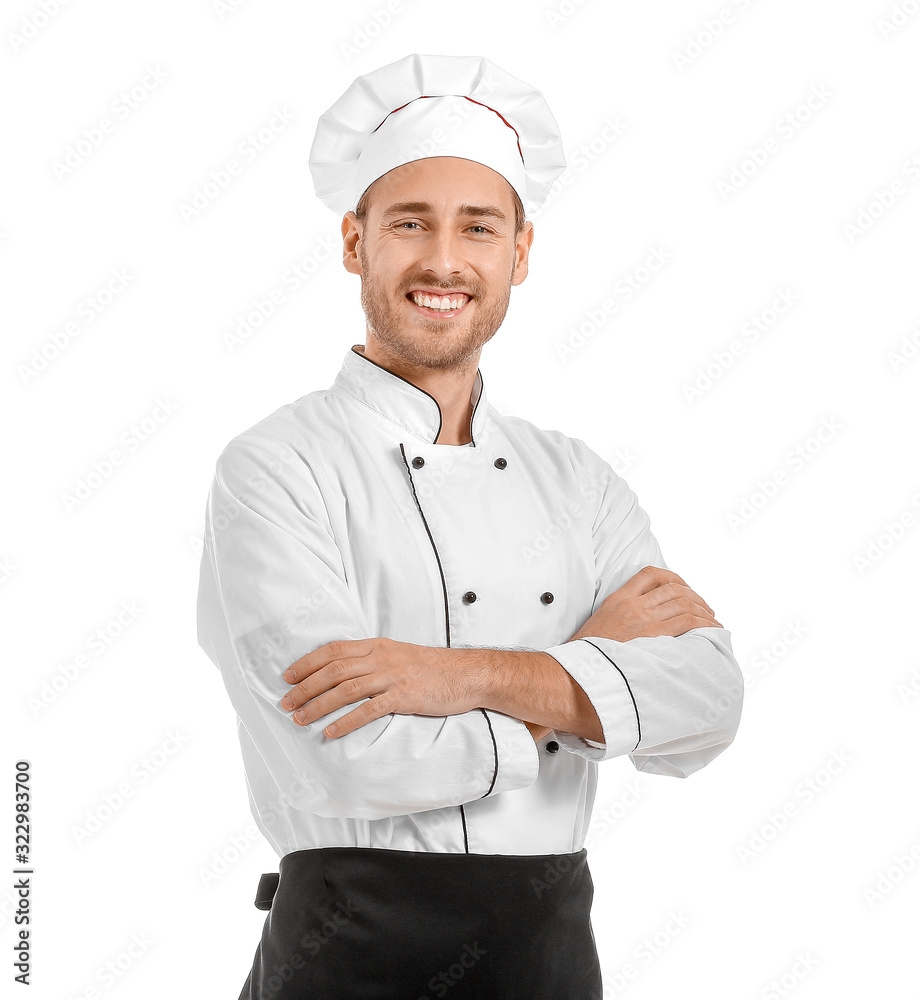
(268, 885)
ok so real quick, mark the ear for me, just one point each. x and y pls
(351, 239)
(521, 253)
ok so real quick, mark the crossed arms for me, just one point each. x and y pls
(650, 675)
(411, 679)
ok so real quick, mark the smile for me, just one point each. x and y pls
(441, 306)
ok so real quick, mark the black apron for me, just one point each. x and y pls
(355, 923)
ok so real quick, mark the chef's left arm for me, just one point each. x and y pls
(671, 703)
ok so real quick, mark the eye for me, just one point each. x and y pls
(399, 225)
(483, 228)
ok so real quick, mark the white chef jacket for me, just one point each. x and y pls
(339, 516)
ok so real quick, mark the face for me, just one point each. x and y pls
(441, 226)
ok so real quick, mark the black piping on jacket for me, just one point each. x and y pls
(436, 403)
(466, 843)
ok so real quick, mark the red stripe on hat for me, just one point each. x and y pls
(500, 115)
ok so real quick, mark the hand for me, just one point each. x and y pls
(399, 677)
(653, 602)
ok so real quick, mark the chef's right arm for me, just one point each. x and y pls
(272, 588)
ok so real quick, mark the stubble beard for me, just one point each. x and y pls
(436, 344)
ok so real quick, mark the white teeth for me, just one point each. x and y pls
(443, 303)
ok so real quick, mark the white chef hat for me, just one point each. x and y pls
(432, 105)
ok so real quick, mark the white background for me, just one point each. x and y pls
(758, 870)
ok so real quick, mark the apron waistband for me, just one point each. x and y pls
(417, 862)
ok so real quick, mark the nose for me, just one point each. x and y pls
(442, 253)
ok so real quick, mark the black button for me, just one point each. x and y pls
(469, 597)
(499, 463)
(552, 747)
(418, 461)
(547, 598)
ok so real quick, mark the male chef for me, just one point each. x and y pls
(434, 620)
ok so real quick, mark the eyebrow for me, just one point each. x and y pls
(464, 210)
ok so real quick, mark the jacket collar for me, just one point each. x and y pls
(401, 401)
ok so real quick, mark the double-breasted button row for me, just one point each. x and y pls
(470, 596)
(418, 462)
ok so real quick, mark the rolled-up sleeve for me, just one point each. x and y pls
(671, 703)
(273, 588)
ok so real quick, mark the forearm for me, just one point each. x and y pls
(533, 686)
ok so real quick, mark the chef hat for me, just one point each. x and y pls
(430, 105)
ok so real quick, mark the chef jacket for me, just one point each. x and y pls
(340, 516)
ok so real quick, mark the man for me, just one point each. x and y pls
(407, 593)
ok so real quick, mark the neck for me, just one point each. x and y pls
(451, 387)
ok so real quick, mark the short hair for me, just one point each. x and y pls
(364, 204)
